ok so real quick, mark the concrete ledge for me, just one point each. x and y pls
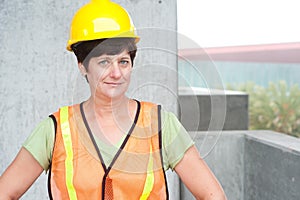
(204, 109)
(271, 166)
(277, 140)
(251, 164)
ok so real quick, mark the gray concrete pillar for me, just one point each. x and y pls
(38, 75)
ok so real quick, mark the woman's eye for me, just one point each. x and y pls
(103, 62)
(124, 62)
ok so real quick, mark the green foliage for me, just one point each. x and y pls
(276, 107)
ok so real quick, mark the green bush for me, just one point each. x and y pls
(276, 107)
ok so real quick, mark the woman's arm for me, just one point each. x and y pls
(197, 177)
(19, 176)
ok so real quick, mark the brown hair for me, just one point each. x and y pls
(86, 50)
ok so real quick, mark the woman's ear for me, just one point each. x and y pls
(82, 69)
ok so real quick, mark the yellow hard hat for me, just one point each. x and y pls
(100, 19)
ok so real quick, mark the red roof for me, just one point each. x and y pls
(282, 53)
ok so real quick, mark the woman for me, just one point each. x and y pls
(109, 146)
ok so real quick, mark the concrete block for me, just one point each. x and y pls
(272, 163)
(224, 154)
(208, 109)
(251, 164)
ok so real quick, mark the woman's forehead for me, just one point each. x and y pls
(123, 54)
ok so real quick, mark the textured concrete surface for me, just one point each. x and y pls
(251, 165)
(202, 109)
(272, 164)
(37, 74)
(224, 153)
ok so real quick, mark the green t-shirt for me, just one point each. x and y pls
(175, 141)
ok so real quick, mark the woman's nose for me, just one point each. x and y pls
(115, 71)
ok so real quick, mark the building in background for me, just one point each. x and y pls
(260, 64)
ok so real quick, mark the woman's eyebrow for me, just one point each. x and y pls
(125, 57)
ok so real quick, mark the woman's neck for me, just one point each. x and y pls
(110, 109)
(110, 120)
(104, 107)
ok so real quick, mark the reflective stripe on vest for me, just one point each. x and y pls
(149, 179)
(66, 135)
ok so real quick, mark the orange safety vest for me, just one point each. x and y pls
(77, 170)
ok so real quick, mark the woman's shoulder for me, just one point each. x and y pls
(40, 142)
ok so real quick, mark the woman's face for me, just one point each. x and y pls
(109, 75)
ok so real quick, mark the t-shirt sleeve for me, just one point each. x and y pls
(40, 142)
(176, 140)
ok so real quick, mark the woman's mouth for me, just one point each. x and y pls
(113, 83)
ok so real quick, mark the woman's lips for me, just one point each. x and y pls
(112, 83)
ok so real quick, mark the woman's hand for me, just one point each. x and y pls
(197, 177)
(19, 176)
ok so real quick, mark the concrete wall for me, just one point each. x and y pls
(251, 165)
(207, 109)
(272, 162)
(37, 74)
(224, 153)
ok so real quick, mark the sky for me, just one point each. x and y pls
(218, 23)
